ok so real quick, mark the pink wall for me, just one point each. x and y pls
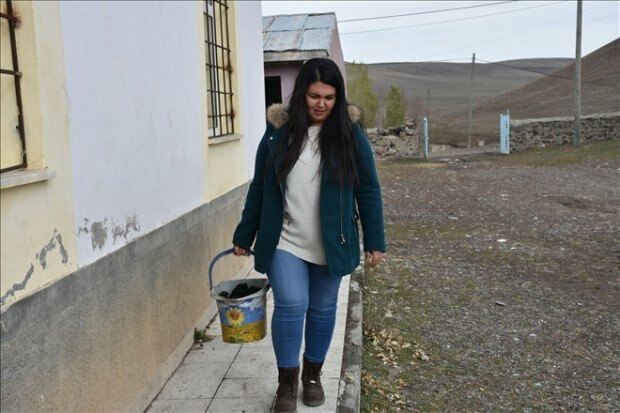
(335, 53)
(288, 73)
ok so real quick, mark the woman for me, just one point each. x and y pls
(314, 165)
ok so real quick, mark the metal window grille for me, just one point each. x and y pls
(13, 23)
(221, 113)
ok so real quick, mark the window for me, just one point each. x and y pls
(13, 140)
(273, 90)
(220, 111)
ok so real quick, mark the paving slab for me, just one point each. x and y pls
(218, 377)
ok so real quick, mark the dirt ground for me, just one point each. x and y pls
(501, 288)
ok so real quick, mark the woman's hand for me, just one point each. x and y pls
(241, 251)
(374, 258)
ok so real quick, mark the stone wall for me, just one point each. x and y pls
(539, 133)
(396, 142)
(406, 141)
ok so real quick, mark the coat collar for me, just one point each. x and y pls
(277, 114)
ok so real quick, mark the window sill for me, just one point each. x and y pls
(224, 139)
(25, 177)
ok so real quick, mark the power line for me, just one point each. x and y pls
(444, 60)
(424, 12)
(548, 31)
(421, 61)
(544, 74)
(526, 70)
(481, 46)
(449, 21)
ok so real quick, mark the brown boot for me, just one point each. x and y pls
(286, 396)
(311, 379)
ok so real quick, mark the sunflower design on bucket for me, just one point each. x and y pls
(235, 316)
(246, 333)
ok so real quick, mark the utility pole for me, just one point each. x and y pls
(471, 98)
(428, 103)
(577, 137)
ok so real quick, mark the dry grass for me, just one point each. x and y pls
(500, 289)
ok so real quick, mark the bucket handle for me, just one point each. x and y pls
(215, 259)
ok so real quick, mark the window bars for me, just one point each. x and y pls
(220, 111)
(13, 23)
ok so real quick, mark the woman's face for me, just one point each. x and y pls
(320, 100)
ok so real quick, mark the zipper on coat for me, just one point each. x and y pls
(342, 238)
(275, 170)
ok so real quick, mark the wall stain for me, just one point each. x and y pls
(83, 229)
(18, 286)
(99, 230)
(63, 250)
(41, 256)
(130, 224)
(98, 234)
(56, 239)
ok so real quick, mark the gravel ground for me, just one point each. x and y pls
(501, 289)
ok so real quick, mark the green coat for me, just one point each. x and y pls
(263, 214)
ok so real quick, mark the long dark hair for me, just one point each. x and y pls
(336, 139)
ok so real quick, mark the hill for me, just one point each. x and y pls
(449, 83)
(529, 88)
(549, 96)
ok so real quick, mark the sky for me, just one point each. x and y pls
(494, 30)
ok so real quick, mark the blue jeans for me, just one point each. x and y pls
(301, 290)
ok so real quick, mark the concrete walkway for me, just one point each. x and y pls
(218, 377)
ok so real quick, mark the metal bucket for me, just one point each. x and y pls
(244, 319)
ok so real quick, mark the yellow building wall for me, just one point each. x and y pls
(225, 158)
(37, 233)
(226, 168)
(130, 313)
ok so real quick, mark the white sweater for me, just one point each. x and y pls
(301, 233)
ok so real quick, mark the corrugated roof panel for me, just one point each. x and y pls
(282, 41)
(296, 34)
(267, 22)
(320, 21)
(288, 23)
(315, 39)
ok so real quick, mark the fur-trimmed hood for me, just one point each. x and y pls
(277, 114)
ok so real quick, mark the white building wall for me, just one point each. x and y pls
(133, 84)
(251, 77)
(126, 157)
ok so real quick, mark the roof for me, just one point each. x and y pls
(296, 37)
